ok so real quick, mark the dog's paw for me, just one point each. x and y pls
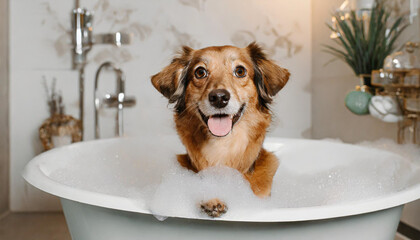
(214, 207)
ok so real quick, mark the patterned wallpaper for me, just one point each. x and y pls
(115, 18)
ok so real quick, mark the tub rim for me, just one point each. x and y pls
(33, 174)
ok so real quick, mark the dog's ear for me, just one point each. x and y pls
(171, 79)
(269, 78)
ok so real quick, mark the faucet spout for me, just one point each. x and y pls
(117, 38)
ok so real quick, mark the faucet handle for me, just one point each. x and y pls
(117, 38)
(112, 101)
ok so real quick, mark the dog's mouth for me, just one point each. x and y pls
(221, 125)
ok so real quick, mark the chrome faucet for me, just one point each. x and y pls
(83, 41)
(83, 38)
(117, 100)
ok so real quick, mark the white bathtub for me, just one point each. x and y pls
(97, 215)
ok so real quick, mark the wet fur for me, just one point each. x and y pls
(242, 148)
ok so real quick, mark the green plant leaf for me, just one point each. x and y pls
(364, 49)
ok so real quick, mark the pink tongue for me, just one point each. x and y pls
(220, 126)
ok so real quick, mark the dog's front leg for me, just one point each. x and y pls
(213, 207)
(261, 175)
(185, 162)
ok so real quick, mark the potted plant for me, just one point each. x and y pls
(363, 41)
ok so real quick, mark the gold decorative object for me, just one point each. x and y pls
(400, 78)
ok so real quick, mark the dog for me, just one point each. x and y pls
(221, 97)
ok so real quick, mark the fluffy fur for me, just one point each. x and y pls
(250, 96)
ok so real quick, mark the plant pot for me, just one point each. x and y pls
(366, 83)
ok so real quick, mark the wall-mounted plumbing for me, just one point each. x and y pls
(83, 41)
(117, 100)
(82, 36)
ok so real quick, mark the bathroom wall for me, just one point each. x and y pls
(4, 107)
(331, 83)
(40, 46)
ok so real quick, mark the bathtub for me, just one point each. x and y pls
(93, 214)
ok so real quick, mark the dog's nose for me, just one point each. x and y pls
(219, 98)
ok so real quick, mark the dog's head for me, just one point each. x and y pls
(218, 84)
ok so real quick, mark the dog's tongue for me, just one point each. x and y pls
(220, 126)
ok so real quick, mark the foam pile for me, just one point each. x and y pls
(309, 175)
(408, 151)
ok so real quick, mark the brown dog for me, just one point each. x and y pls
(221, 97)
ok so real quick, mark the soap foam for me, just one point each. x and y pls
(408, 151)
(170, 190)
(181, 192)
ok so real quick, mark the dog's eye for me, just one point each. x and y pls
(200, 73)
(240, 72)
